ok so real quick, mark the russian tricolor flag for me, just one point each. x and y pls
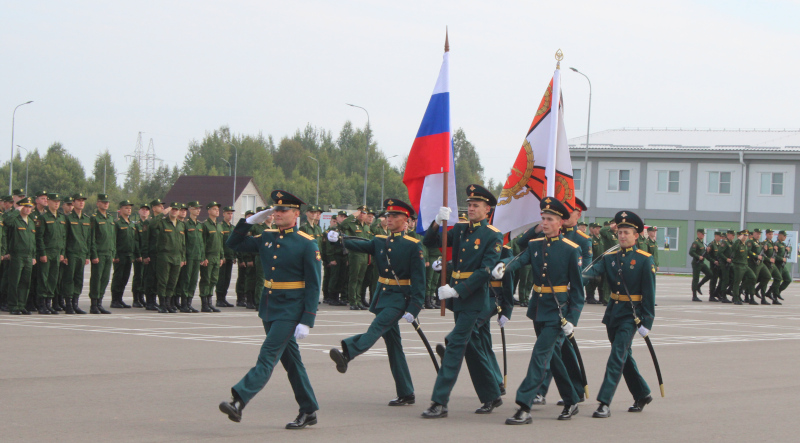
(431, 156)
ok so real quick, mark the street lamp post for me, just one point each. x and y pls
(383, 170)
(11, 164)
(235, 171)
(27, 154)
(312, 158)
(588, 122)
(366, 162)
(229, 165)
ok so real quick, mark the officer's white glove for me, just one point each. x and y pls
(409, 318)
(444, 214)
(301, 331)
(568, 328)
(499, 271)
(333, 236)
(502, 320)
(643, 331)
(260, 217)
(446, 292)
(437, 265)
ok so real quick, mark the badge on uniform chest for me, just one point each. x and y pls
(268, 244)
(477, 243)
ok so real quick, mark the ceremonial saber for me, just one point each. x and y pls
(607, 251)
(646, 337)
(505, 360)
(416, 326)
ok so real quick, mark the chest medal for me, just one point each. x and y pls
(477, 243)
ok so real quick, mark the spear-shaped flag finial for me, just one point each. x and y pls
(446, 41)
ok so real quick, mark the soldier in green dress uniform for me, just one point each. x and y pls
(558, 292)
(137, 286)
(244, 261)
(229, 257)
(292, 274)
(608, 236)
(742, 274)
(356, 226)
(627, 269)
(195, 256)
(63, 211)
(51, 242)
(595, 283)
(336, 260)
(77, 257)
(716, 256)
(400, 293)
(102, 248)
(770, 249)
(149, 248)
(476, 249)
(756, 262)
(127, 249)
(170, 235)
(698, 253)
(20, 248)
(782, 252)
(214, 257)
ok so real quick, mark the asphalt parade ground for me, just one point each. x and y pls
(730, 374)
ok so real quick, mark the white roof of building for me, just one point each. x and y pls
(666, 139)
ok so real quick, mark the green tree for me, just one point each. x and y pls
(104, 174)
(467, 163)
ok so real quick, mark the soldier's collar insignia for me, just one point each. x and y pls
(476, 225)
(569, 229)
(397, 234)
(288, 231)
(628, 249)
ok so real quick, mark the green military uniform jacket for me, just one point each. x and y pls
(103, 239)
(608, 237)
(753, 249)
(78, 235)
(476, 250)
(150, 242)
(563, 256)
(739, 252)
(780, 254)
(407, 261)
(126, 239)
(597, 247)
(583, 240)
(697, 250)
(170, 241)
(289, 257)
(195, 246)
(21, 237)
(639, 275)
(769, 252)
(314, 231)
(212, 233)
(350, 226)
(227, 228)
(51, 235)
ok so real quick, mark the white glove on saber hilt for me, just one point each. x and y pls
(643, 331)
(409, 318)
(502, 320)
(260, 217)
(446, 292)
(499, 271)
(333, 236)
(444, 214)
(568, 328)
(437, 266)
(301, 331)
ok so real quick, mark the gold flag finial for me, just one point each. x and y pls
(446, 40)
(559, 57)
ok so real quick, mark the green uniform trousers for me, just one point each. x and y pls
(384, 325)
(786, 278)
(762, 276)
(592, 284)
(279, 344)
(742, 275)
(355, 279)
(464, 343)
(122, 273)
(338, 281)
(72, 282)
(621, 364)
(250, 282)
(101, 274)
(187, 279)
(570, 360)
(241, 280)
(224, 278)
(208, 278)
(777, 278)
(432, 282)
(167, 275)
(137, 286)
(150, 276)
(697, 268)
(546, 351)
(48, 276)
(62, 272)
(525, 283)
(19, 280)
(258, 276)
(719, 278)
(485, 336)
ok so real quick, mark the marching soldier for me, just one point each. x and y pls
(20, 251)
(400, 293)
(214, 258)
(149, 248)
(51, 241)
(137, 287)
(698, 253)
(718, 262)
(229, 257)
(557, 308)
(770, 248)
(355, 226)
(781, 253)
(125, 233)
(631, 272)
(102, 248)
(170, 234)
(476, 248)
(742, 274)
(291, 271)
(758, 266)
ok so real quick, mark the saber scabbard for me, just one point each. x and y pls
(416, 326)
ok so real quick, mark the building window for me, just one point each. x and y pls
(577, 178)
(719, 182)
(772, 183)
(667, 238)
(619, 179)
(669, 181)
(248, 203)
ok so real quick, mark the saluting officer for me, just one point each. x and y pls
(631, 273)
(229, 257)
(399, 293)
(291, 270)
(476, 249)
(214, 257)
(170, 234)
(20, 250)
(51, 241)
(127, 249)
(558, 292)
(102, 249)
(698, 254)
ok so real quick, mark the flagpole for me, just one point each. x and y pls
(446, 180)
(555, 98)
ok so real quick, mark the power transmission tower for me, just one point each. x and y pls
(150, 161)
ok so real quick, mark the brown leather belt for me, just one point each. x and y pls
(623, 297)
(547, 290)
(269, 284)
(393, 282)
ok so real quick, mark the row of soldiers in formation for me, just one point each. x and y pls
(48, 240)
(741, 264)
(480, 287)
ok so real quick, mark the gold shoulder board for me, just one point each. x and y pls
(585, 235)
(409, 238)
(646, 254)
(492, 228)
(303, 234)
(571, 243)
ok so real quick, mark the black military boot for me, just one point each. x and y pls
(48, 303)
(93, 308)
(76, 307)
(204, 305)
(58, 303)
(233, 409)
(184, 306)
(122, 302)
(764, 297)
(68, 309)
(160, 307)
(116, 301)
(43, 307)
(100, 306)
(250, 304)
(170, 301)
(694, 296)
(240, 303)
(712, 295)
(137, 302)
(150, 304)
(429, 303)
(211, 304)
(189, 305)
(178, 302)
(221, 303)
(752, 299)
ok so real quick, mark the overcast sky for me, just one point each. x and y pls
(100, 72)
